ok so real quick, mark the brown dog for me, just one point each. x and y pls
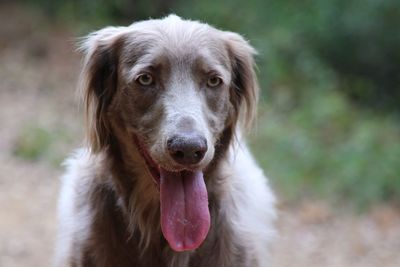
(166, 178)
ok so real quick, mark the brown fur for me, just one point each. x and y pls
(114, 184)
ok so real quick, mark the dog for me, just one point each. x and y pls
(166, 178)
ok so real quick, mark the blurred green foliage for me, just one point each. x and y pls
(36, 142)
(330, 73)
(329, 148)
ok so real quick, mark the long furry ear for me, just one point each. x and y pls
(98, 84)
(244, 87)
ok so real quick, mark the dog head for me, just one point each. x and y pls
(171, 82)
(174, 86)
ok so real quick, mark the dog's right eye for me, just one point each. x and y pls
(214, 81)
(145, 79)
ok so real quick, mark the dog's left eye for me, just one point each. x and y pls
(145, 79)
(214, 81)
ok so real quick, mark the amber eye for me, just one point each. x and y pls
(214, 81)
(145, 79)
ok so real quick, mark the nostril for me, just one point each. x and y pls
(199, 154)
(187, 149)
(179, 155)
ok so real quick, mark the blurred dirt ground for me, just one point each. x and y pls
(38, 74)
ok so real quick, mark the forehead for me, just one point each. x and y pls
(177, 43)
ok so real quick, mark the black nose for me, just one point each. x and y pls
(187, 148)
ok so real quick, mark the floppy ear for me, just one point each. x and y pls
(244, 87)
(99, 80)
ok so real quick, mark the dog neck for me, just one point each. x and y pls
(138, 195)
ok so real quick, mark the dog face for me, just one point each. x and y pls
(170, 89)
(174, 84)
(175, 97)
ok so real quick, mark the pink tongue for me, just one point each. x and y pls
(185, 218)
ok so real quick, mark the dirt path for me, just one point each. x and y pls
(313, 235)
(38, 73)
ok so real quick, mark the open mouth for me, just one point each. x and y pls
(185, 216)
(151, 165)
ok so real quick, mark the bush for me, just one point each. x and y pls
(329, 148)
(359, 40)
